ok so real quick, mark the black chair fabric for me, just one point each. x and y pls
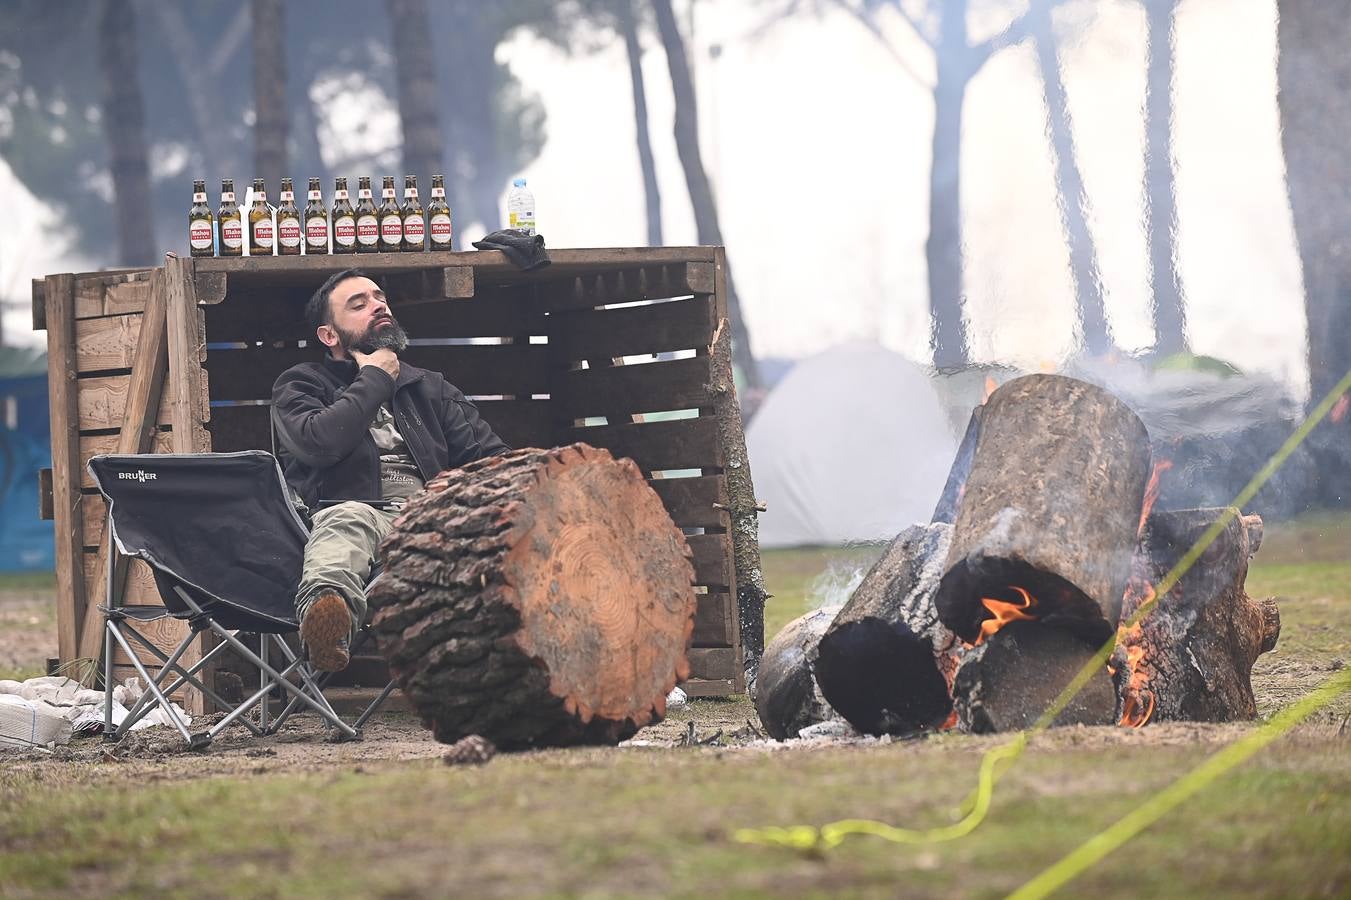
(219, 525)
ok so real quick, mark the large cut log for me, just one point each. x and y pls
(540, 598)
(882, 662)
(1191, 656)
(1006, 682)
(787, 697)
(1051, 505)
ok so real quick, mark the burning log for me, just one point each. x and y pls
(948, 501)
(787, 698)
(1051, 505)
(1007, 681)
(881, 663)
(539, 598)
(1191, 656)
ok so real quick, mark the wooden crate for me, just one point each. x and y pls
(611, 347)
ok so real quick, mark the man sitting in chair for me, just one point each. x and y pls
(357, 434)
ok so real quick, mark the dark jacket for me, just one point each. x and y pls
(322, 414)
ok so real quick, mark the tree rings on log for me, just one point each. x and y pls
(787, 698)
(878, 663)
(1051, 505)
(539, 598)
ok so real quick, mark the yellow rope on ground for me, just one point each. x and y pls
(1156, 807)
(810, 837)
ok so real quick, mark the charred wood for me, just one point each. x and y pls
(787, 698)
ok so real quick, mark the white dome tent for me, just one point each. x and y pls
(852, 445)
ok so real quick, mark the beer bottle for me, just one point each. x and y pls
(288, 221)
(262, 238)
(368, 226)
(344, 220)
(231, 221)
(200, 220)
(414, 225)
(316, 220)
(438, 215)
(391, 220)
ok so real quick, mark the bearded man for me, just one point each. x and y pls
(358, 434)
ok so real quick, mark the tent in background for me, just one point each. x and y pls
(852, 445)
(26, 542)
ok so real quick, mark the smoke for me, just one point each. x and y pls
(837, 583)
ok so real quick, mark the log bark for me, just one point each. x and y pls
(787, 698)
(539, 598)
(1008, 681)
(882, 662)
(1192, 654)
(946, 508)
(1051, 505)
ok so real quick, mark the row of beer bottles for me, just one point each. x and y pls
(287, 230)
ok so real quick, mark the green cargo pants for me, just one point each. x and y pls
(341, 553)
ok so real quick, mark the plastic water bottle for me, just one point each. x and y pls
(521, 207)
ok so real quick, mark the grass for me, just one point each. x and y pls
(658, 821)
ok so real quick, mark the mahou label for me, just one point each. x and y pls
(391, 229)
(288, 232)
(440, 226)
(316, 232)
(232, 233)
(368, 230)
(345, 230)
(199, 234)
(262, 232)
(414, 230)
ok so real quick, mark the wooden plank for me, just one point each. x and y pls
(650, 387)
(512, 369)
(606, 333)
(713, 619)
(103, 403)
(96, 444)
(699, 687)
(712, 559)
(138, 589)
(676, 444)
(187, 385)
(598, 287)
(148, 366)
(714, 664)
(46, 506)
(430, 285)
(62, 392)
(164, 633)
(691, 501)
(97, 296)
(39, 304)
(106, 343)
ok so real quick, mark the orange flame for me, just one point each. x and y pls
(1152, 491)
(1139, 705)
(990, 385)
(950, 723)
(1003, 612)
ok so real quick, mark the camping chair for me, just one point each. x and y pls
(226, 546)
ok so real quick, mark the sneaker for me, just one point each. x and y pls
(324, 632)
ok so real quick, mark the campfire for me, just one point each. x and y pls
(1045, 546)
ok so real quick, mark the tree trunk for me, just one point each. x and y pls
(543, 597)
(701, 192)
(124, 125)
(1191, 656)
(269, 92)
(1315, 107)
(415, 71)
(628, 26)
(1051, 508)
(1071, 199)
(187, 56)
(1170, 315)
(885, 662)
(943, 249)
(787, 698)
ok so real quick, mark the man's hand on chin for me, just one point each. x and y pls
(384, 358)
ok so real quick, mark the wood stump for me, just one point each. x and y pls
(1051, 505)
(882, 662)
(787, 697)
(539, 598)
(1191, 656)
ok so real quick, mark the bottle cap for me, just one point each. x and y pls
(519, 182)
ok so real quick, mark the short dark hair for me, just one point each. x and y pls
(318, 309)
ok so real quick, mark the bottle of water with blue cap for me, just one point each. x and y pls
(521, 207)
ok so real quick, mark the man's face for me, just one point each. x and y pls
(361, 319)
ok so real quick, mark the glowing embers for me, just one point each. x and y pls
(1137, 699)
(1003, 611)
(1152, 490)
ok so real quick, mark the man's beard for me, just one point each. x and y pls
(376, 337)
